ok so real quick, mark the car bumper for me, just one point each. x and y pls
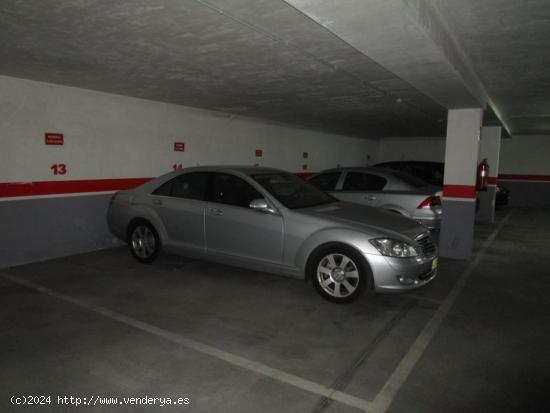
(393, 275)
(432, 224)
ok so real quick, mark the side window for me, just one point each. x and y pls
(326, 182)
(189, 186)
(232, 190)
(165, 189)
(360, 181)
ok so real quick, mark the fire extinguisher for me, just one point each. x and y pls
(482, 175)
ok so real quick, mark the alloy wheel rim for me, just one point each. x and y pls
(338, 275)
(143, 242)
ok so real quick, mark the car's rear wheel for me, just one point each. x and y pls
(339, 274)
(144, 242)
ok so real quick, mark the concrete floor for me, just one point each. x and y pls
(100, 324)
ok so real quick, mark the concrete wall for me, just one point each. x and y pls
(525, 170)
(410, 149)
(109, 136)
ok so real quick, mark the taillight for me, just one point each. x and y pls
(430, 202)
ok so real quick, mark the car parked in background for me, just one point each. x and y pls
(271, 220)
(432, 172)
(384, 188)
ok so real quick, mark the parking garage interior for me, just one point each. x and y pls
(98, 97)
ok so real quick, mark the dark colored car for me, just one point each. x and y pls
(432, 172)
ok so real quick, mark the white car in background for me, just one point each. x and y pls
(384, 188)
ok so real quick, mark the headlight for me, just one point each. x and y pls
(393, 248)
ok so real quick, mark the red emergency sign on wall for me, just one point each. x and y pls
(53, 138)
(179, 146)
(259, 153)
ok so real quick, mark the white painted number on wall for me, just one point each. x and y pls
(59, 168)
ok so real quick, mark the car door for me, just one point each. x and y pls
(233, 229)
(180, 204)
(362, 188)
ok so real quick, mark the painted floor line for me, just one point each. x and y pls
(342, 381)
(211, 351)
(384, 398)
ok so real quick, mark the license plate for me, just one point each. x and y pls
(434, 264)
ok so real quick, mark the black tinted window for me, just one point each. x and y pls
(326, 182)
(188, 186)
(165, 189)
(232, 190)
(360, 181)
(409, 179)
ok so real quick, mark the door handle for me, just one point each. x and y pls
(216, 211)
(157, 201)
(371, 197)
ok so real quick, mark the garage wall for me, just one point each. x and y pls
(524, 163)
(412, 148)
(525, 169)
(113, 142)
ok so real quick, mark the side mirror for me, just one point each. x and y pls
(261, 205)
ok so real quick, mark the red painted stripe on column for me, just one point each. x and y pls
(516, 177)
(13, 189)
(459, 191)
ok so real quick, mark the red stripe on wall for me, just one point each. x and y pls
(459, 191)
(515, 177)
(492, 180)
(13, 189)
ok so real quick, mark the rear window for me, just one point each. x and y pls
(188, 186)
(409, 179)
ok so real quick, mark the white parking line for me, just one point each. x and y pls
(230, 358)
(382, 400)
(386, 395)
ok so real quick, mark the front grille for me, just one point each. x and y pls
(426, 244)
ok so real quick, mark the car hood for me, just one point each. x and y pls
(375, 221)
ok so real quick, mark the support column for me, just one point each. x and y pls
(489, 148)
(459, 183)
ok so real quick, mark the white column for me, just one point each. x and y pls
(459, 183)
(489, 149)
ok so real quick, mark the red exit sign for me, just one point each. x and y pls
(53, 138)
(179, 146)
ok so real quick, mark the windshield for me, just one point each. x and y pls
(291, 191)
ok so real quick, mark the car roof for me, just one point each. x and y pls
(431, 163)
(244, 169)
(360, 169)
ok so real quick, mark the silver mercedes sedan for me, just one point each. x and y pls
(271, 220)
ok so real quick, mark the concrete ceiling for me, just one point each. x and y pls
(301, 62)
(508, 43)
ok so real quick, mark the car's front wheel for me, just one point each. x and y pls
(339, 273)
(144, 242)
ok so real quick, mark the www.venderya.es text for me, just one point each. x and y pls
(97, 400)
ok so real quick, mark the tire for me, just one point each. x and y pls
(339, 273)
(144, 242)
